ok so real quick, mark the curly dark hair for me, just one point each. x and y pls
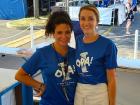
(56, 18)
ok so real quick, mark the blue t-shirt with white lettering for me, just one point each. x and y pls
(52, 68)
(93, 59)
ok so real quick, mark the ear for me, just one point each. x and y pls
(53, 35)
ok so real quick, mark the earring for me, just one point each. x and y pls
(96, 27)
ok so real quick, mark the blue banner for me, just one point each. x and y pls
(13, 9)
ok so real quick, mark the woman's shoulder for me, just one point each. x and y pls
(106, 40)
(108, 43)
(128, 5)
(79, 37)
(45, 48)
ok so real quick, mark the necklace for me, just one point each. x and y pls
(64, 68)
(91, 39)
(61, 50)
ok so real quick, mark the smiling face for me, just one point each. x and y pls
(62, 34)
(88, 21)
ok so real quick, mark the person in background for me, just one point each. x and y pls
(56, 62)
(129, 16)
(96, 60)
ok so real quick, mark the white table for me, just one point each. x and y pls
(7, 85)
(8, 50)
(129, 63)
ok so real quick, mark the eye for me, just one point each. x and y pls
(59, 32)
(82, 18)
(91, 18)
(68, 32)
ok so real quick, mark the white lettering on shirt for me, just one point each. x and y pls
(61, 73)
(84, 61)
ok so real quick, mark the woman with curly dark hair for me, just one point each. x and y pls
(56, 62)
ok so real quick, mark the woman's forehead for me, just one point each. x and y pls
(87, 13)
(62, 26)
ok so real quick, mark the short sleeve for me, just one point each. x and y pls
(32, 65)
(111, 56)
(76, 28)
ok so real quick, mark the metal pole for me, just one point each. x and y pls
(67, 6)
(114, 11)
(32, 36)
(136, 44)
(36, 8)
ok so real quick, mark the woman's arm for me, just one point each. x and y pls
(25, 78)
(128, 7)
(111, 77)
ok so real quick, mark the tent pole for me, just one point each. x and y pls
(36, 8)
(67, 6)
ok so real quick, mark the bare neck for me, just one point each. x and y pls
(62, 50)
(90, 38)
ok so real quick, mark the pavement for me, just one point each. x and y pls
(18, 37)
(125, 43)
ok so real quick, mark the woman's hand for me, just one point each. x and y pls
(40, 90)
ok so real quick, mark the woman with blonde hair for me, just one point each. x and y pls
(96, 60)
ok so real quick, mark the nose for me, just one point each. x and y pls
(65, 36)
(87, 22)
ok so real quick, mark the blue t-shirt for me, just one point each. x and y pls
(51, 65)
(93, 59)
